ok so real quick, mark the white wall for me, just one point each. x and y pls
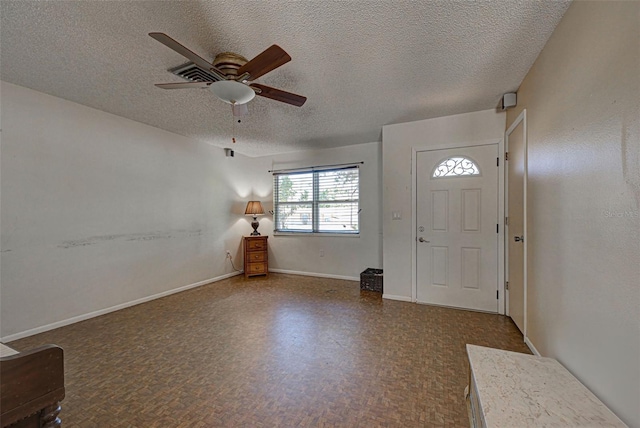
(582, 97)
(397, 143)
(99, 211)
(344, 256)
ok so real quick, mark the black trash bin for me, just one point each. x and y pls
(371, 280)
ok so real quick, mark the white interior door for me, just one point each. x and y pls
(457, 220)
(515, 235)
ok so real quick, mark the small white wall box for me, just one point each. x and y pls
(229, 153)
(508, 100)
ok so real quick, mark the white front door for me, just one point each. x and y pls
(457, 220)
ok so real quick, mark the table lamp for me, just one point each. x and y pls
(254, 209)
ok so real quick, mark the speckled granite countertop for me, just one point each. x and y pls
(520, 390)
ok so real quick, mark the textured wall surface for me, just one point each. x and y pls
(98, 211)
(582, 99)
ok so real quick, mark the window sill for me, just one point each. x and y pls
(327, 234)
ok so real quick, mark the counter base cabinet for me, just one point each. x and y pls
(256, 260)
(509, 389)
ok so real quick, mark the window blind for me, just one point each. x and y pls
(317, 200)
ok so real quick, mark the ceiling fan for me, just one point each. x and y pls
(232, 74)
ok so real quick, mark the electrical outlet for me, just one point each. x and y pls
(321, 253)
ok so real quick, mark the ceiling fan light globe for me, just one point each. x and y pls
(232, 92)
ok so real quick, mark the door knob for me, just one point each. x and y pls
(421, 239)
(518, 238)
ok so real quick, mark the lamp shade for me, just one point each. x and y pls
(254, 208)
(232, 92)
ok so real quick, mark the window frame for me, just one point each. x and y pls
(315, 202)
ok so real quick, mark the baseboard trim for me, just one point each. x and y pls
(317, 275)
(97, 313)
(533, 348)
(395, 297)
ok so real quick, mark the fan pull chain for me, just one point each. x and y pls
(233, 129)
(237, 110)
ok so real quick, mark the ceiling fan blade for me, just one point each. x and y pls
(191, 56)
(183, 85)
(272, 58)
(279, 95)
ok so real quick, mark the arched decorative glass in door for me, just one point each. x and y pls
(456, 166)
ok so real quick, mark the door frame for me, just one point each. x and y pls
(522, 118)
(501, 207)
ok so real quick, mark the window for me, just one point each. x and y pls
(317, 201)
(455, 167)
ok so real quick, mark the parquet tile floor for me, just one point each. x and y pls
(282, 351)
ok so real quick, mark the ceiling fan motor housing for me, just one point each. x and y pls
(229, 63)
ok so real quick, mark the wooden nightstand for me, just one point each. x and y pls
(256, 260)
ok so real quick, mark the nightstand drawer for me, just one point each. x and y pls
(258, 267)
(256, 244)
(256, 256)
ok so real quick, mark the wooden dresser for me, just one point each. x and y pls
(256, 260)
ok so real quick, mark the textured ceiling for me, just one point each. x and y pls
(362, 64)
